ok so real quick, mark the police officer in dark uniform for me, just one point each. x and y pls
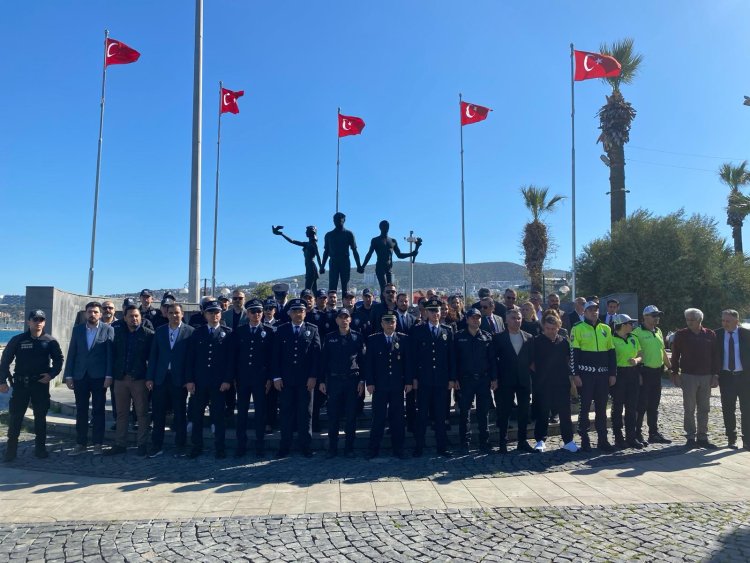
(326, 323)
(148, 313)
(387, 368)
(362, 313)
(250, 363)
(476, 375)
(32, 351)
(270, 308)
(280, 292)
(433, 370)
(296, 361)
(129, 303)
(208, 378)
(340, 380)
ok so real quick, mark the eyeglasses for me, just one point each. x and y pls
(38, 319)
(108, 308)
(510, 298)
(486, 307)
(237, 298)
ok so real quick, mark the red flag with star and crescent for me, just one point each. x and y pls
(117, 53)
(229, 101)
(595, 65)
(472, 113)
(350, 125)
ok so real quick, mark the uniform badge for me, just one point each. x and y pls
(445, 336)
(262, 333)
(356, 322)
(395, 345)
(307, 333)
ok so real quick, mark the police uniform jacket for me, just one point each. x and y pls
(322, 320)
(342, 356)
(296, 358)
(131, 361)
(150, 315)
(387, 368)
(475, 356)
(361, 321)
(432, 355)
(207, 356)
(251, 351)
(32, 356)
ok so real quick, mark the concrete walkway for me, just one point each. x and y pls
(696, 476)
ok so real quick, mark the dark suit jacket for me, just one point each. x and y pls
(405, 326)
(500, 308)
(432, 357)
(162, 355)
(97, 362)
(228, 318)
(485, 325)
(139, 359)
(570, 319)
(387, 370)
(514, 369)
(296, 359)
(744, 338)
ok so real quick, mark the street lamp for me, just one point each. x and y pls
(411, 239)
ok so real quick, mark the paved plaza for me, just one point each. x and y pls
(658, 503)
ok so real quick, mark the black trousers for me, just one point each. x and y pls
(523, 397)
(478, 387)
(552, 396)
(390, 402)
(411, 411)
(230, 400)
(319, 399)
(595, 388)
(272, 407)
(84, 389)
(296, 413)
(342, 401)
(625, 396)
(208, 395)
(384, 275)
(246, 389)
(163, 397)
(339, 271)
(38, 395)
(735, 386)
(431, 397)
(649, 398)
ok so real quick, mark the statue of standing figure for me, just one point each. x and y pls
(336, 246)
(384, 248)
(310, 251)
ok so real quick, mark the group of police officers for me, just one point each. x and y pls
(300, 354)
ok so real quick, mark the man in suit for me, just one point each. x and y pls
(405, 321)
(131, 348)
(386, 370)
(613, 306)
(235, 315)
(296, 361)
(88, 372)
(208, 378)
(166, 379)
(250, 366)
(497, 308)
(575, 316)
(733, 343)
(515, 356)
(491, 322)
(433, 370)
(387, 303)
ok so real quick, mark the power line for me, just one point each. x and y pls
(684, 153)
(670, 165)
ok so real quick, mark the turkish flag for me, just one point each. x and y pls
(595, 65)
(349, 125)
(229, 101)
(117, 53)
(472, 113)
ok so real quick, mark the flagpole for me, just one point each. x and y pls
(338, 148)
(194, 273)
(216, 202)
(573, 173)
(98, 167)
(463, 230)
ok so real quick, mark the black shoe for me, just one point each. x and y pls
(141, 451)
(690, 444)
(732, 445)
(657, 438)
(523, 446)
(635, 444)
(642, 440)
(115, 450)
(240, 451)
(307, 453)
(281, 454)
(620, 443)
(41, 453)
(585, 446)
(485, 448)
(464, 448)
(220, 454)
(445, 453)
(349, 454)
(418, 452)
(260, 452)
(195, 452)
(330, 454)
(605, 446)
(503, 449)
(11, 450)
(155, 452)
(707, 445)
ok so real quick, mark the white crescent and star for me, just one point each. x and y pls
(109, 53)
(468, 112)
(597, 60)
(344, 123)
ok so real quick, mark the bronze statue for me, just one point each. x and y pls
(337, 245)
(310, 251)
(384, 248)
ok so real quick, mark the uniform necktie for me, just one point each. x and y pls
(492, 324)
(388, 339)
(211, 331)
(434, 331)
(296, 331)
(731, 365)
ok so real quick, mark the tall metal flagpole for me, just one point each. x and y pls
(98, 167)
(194, 273)
(573, 172)
(338, 147)
(463, 230)
(216, 203)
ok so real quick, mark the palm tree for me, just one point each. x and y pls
(615, 118)
(737, 203)
(535, 234)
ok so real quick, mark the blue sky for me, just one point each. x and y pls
(399, 66)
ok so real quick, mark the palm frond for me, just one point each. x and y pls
(734, 176)
(630, 61)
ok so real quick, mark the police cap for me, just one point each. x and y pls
(280, 288)
(255, 304)
(321, 293)
(433, 303)
(211, 307)
(306, 293)
(37, 314)
(296, 304)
